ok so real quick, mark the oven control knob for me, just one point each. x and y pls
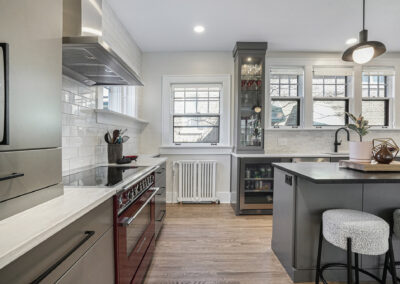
(130, 195)
(120, 202)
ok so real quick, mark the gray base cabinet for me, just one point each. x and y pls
(96, 265)
(161, 197)
(298, 207)
(85, 245)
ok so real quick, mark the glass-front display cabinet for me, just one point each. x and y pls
(249, 96)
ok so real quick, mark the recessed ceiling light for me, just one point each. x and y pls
(249, 59)
(352, 40)
(198, 29)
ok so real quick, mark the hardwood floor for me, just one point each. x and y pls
(208, 244)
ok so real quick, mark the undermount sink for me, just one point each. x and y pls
(337, 154)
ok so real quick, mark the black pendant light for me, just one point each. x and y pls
(365, 50)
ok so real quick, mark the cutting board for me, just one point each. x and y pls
(370, 166)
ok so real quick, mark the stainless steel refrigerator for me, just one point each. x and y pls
(30, 103)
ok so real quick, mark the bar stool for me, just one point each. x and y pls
(396, 232)
(356, 232)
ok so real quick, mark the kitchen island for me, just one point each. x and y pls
(303, 191)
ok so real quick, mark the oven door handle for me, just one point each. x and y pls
(153, 169)
(127, 221)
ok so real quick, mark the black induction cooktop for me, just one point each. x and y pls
(100, 176)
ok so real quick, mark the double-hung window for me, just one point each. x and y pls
(376, 93)
(196, 113)
(286, 91)
(331, 90)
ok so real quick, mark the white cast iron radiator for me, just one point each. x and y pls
(196, 181)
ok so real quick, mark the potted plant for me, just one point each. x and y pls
(359, 150)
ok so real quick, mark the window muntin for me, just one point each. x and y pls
(285, 86)
(375, 99)
(374, 86)
(330, 94)
(329, 86)
(196, 113)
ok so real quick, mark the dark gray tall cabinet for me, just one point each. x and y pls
(249, 96)
(251, 184)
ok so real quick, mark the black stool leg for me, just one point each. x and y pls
(385, 267)
(357, 268)
(349, 263)
(392, 261)
(317, 273)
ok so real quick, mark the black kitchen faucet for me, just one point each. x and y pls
(337, 143)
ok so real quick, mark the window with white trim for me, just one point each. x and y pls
(376, 93)
(196, 113)
(286, 91)
(330, 90)
(121, 99)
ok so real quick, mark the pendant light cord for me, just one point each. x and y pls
(363, 14)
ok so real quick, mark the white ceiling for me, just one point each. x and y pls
(287, 25)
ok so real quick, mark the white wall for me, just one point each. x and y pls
(154, 66)
(82, 136)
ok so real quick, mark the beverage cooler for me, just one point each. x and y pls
(253, 186)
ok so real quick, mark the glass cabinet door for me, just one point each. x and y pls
(256, 185)
(251, 96)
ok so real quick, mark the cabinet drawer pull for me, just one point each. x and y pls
(162, 216)
(88, 234)
(11, 176)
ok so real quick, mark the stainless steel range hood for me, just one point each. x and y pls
(87, 58)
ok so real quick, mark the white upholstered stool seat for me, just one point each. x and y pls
(369, 233)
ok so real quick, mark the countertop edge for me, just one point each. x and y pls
(35, 240)
(14, 252)
(334, 181)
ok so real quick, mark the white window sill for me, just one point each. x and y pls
(106, 116)
(195, 149)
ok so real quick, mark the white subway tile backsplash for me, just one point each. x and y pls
(82, 137)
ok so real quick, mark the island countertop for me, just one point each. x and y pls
(328, 173)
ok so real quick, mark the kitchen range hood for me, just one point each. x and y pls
(86, 57)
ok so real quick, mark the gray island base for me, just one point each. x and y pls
(303, 191)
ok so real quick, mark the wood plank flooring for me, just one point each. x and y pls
(208, 244)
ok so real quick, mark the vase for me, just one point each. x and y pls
(383, 156)
(360, 151)
(114, 153)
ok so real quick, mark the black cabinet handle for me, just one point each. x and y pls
(288, 180)
(162, 216)
(160, 193)
(11, 176)
(88, 234)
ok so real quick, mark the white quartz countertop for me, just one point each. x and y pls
(22, 232)
(294, 155)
